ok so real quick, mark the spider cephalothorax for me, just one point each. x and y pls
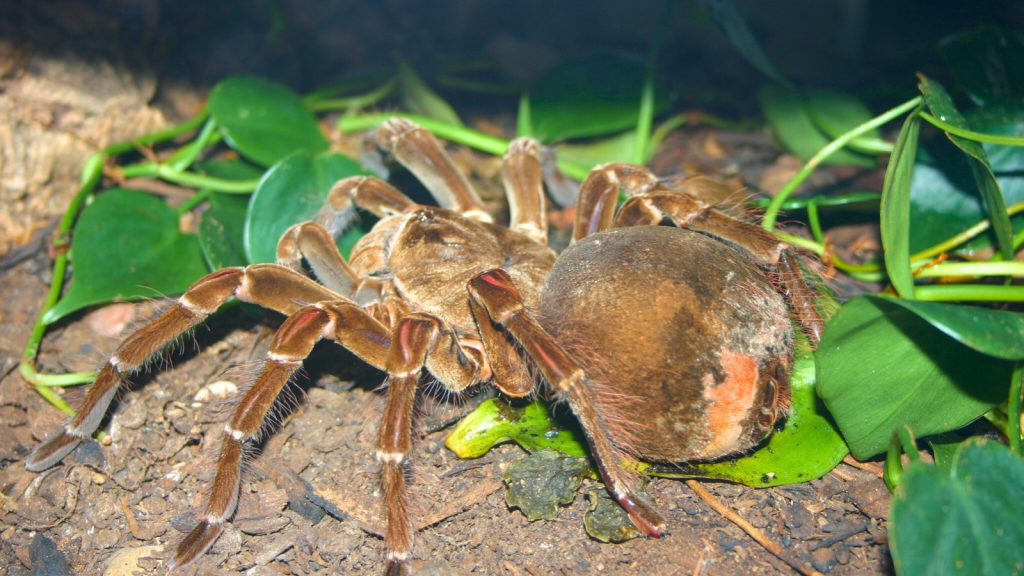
(667, 343)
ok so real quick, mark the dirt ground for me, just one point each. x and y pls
(310, 501)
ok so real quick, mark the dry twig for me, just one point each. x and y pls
(754, 533)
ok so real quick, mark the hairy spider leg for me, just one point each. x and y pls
(267, 285)
(422, 154)
(419, 341)
(522, 174)
(340, 320)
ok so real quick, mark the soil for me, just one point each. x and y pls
(309, 502)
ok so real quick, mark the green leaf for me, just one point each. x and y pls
(881, 365)
(789, 117)
(590, 96)
(264, 120)
(418, 98)
(944, 197)
(292, 191)
(807, 447)
(895, 208)
(724, 14)
(127, 246)
(997, 333)
(222, 231)
(943, 108)
(836, 113)
(538, 483)
(988, 62)
(495, 421)
(966, 522)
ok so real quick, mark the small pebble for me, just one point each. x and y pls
(214, 391)
(125, 561)
(823, 559)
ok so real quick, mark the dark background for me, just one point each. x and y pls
(848, 45)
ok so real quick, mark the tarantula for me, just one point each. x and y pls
(669, 343)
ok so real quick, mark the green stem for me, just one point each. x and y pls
(187, 154)
(666, 128)
(772, 212)
(1013, 409)
(194, 200)
(893, 471)
(998, 418)
(159, 136)
(969, 293)
(460, 134)
(524, 117)
(998, 268)
(203, 181)
(157, 170)
(972, 135)
(822, 200)
(814, 222)
(58, 380)
(91, 174)
(641, 148)
(872, 145)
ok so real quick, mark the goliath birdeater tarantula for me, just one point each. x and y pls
(668, 343)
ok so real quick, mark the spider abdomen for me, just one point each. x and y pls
(685, 342)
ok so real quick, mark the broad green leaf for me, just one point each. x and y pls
(538, 483)
(988, 62)
(418, 98)
(495, 421)
(222, 231)
(789, 117)
(963, 522)
(836, 113)
(997, 333)
(264, 120)
(895, 207)
(292, 191)
(943, 108)
(127, 246)
(590, 96)
(944, 196)
(807, 447)
(724, 14)
(880, 365)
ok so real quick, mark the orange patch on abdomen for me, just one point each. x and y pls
(729, 403)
